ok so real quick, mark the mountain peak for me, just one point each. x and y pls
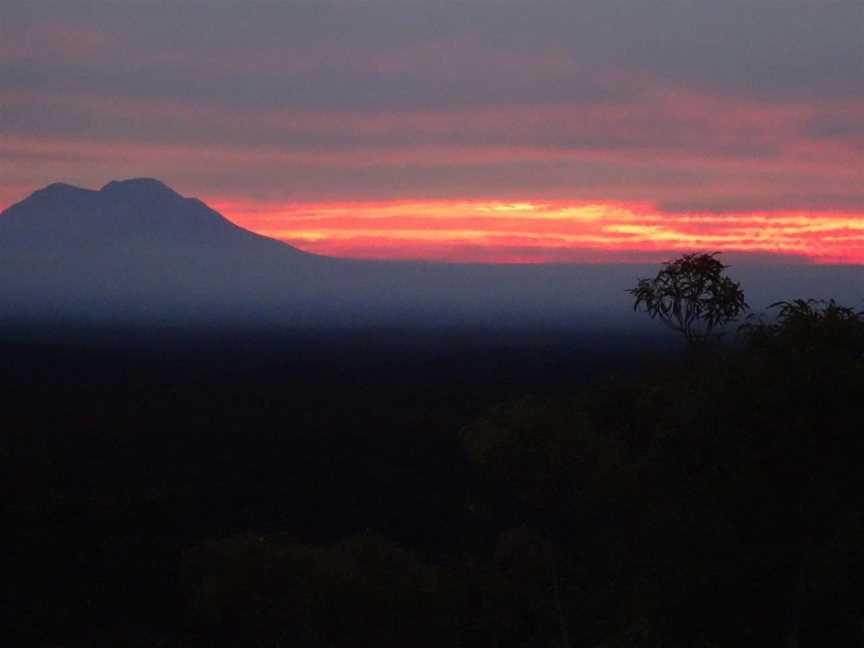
(143, 215)
(60, 186)
(138, 186)
(60, 189)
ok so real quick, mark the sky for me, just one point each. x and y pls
(536, 131)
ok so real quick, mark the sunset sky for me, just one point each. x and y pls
(590, 131)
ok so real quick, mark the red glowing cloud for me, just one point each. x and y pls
(538, 232)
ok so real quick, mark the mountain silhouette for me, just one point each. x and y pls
(141, 214)
(137, 251)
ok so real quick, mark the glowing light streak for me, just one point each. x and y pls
(541, 231)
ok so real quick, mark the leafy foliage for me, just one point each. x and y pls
(692, 296)
(810, 325)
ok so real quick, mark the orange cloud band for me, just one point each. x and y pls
(545, 232)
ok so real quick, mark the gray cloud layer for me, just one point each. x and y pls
(684, 103)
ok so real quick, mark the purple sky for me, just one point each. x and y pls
(703, 109)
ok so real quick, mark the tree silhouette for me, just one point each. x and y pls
(692, 296)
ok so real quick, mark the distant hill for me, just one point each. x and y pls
(138, 215)
(137, 252)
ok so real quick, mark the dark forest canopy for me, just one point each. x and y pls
(509, 495)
